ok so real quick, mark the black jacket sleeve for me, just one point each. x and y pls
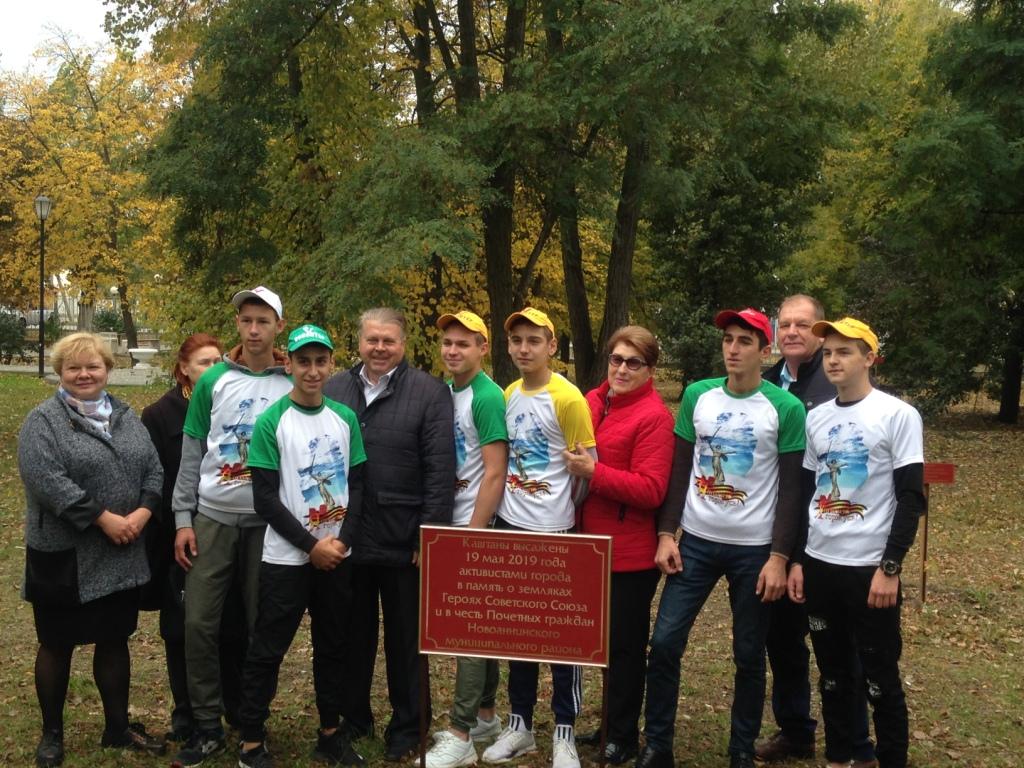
(266, 484)
(808, 481)
(354, 516)
(787, 507)
(671, 510)
(437, 446)
(910, 505)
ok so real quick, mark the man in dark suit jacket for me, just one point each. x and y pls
(800, 372)
(407, 422)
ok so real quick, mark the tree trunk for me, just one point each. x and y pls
(576, 298)
(425, 106)
(86, 312)
(1013, 368)
(130, 332)
(620, 261)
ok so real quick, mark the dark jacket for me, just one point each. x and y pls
(72, 472)
(634, 449)
(409, 437)
(811, 387)
(164, 420)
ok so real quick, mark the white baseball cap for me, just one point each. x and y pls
(260, 293)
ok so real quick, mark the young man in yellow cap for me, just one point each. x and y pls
(864, 481)
(481, 458)
(545, 415)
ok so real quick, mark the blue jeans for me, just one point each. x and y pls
(684, 594)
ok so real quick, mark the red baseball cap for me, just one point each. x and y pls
(749, 316)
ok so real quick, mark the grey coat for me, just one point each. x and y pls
(72, 472)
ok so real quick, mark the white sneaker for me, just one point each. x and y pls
(564, 754)
(510, 745)
(449, 751)
(484, 730)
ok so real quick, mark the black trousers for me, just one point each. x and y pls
(394, 592)
(286, 591)
(631, 596)
(843, 630)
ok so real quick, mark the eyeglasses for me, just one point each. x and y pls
(633, 363)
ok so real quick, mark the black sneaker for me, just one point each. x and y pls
(741, 760)
(202, 745)
(135, 738)
(257, 757)
(50, 752)
(336, 749)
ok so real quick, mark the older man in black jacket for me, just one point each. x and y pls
(799, 371)
(408, 432)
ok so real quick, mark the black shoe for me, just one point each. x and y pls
(397, 752)
(652, 758)
(202, 745)
(353, 731)
(50, 752)
(592, 739)
(780, 747)
(257, 757)
(741, 760)
(336, 749)
(135, 738)
(618, 754)
(179, 733)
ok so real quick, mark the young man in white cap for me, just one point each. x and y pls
(734, 491)
(306, 460)
(481, 460)
(220, 537)
(864, 480)
(546, 417)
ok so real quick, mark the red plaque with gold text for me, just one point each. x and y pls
(515, 595)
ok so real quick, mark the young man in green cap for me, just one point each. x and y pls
(481, 458)
(306, 459)
(864, 493)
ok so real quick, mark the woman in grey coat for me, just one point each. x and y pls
(92, 482)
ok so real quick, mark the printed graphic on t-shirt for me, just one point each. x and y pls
(844, 469)
(234, 449)
(731, 445)
(528, 453)
(323, 482)
(460, 455)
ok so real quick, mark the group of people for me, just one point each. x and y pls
(265, 485)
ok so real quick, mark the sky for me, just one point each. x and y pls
(23, 28)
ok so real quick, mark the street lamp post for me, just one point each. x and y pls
(43, 205)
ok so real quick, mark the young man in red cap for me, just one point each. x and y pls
(734, 491)
(864, 480)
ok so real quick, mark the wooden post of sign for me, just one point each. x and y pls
(924, 550)
(424, 705)
(604, 715)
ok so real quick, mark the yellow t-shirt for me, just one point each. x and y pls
(541, 424)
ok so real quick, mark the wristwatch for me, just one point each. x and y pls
(891, 567)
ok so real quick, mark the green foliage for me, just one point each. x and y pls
(108, 320)
(12, 337)
(52, 329)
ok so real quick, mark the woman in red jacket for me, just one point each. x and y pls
(627, 485)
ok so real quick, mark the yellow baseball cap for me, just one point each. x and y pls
(530, 315)
(849, 327)
(468, 320)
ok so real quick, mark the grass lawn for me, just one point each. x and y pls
(963, 649)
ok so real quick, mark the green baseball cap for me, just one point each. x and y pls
(308, 334)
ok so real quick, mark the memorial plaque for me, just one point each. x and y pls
(515, 595)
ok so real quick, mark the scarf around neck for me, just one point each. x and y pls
(96, 412)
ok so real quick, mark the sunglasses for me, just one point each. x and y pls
(633, 363)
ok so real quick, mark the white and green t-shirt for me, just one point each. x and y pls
(736, 440)
(853, 450)
(313, 451)
(479, 420)
(541, 424)
(223, 410)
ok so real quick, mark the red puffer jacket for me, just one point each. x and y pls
(634, 459)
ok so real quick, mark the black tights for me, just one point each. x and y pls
(111, 668)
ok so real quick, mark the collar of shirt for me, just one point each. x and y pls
(371, 390)
(785, 377)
